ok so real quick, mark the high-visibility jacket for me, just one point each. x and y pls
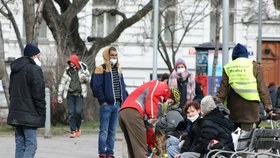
(242, 79)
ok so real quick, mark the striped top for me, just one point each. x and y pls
(116, 83)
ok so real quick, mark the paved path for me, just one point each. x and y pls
(61, 146)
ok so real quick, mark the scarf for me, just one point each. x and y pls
(173, 83)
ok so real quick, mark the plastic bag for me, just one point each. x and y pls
(235, 136)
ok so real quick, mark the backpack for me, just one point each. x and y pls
(92, 76)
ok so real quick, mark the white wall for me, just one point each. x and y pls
(135, 43)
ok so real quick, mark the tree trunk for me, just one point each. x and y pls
(29, 19)
(5, 79)
(217, 46)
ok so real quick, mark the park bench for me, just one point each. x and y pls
(259, 143)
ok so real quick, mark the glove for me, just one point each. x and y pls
(59, 99)
(152, 121)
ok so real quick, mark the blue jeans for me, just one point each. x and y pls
(75, 108)
(172, 146)
(26, 141)
(108, 117)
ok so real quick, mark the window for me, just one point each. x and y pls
(103, 24)
(42, 31)
(166, 19)
(231, 23)
(169, 22)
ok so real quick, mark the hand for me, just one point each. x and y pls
(152, 121)
(270, 113)
(59, 99)
(177, 156)
(83, 77)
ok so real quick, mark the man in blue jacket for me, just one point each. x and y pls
(109, 88)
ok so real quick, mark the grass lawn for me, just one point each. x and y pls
(58, 129)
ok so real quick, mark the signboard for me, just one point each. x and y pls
(204, 66)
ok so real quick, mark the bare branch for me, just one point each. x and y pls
(11, 17)
(72, 10)
(38, 20)
(113, 12)
(101, 42)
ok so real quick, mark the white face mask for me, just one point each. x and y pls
(113, 61)
(38, 62)
(180, 70)
(192, 119)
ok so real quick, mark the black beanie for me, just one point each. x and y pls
(239, 51)
(31, 50)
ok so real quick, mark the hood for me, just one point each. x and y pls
(18, 64)
(74, 59)
(106, 57)
(220, 115)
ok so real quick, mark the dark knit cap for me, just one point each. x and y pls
(31, 50)
(239, 51)
(180, 61)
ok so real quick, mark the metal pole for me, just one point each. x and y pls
(225, 30)
(155, 37)
(260, 33)
(48, 114)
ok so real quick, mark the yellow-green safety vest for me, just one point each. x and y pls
(242, 79)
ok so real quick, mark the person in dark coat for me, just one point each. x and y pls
(272, 92)
(215, 125)
(277, 104)
(27, 110)
(198, 92)
(243, 88)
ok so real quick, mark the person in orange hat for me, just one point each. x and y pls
(73, 88)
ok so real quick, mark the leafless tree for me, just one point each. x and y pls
(176, 31)
(217, 7)
(277, 4)
(64, 25)
(3, 72)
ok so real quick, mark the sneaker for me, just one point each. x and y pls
(72, 134)
(102, 155)
(78, 132)
(110, 156)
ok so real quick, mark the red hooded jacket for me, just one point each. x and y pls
(145, 98)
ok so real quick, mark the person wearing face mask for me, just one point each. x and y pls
(192, 113)
(182, 79)
(109, 88)
(73, 88)
(139, 109)
(213, 125)
(27, 110)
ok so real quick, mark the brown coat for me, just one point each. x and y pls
(241, 110)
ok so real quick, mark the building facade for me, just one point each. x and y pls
(135, 44)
